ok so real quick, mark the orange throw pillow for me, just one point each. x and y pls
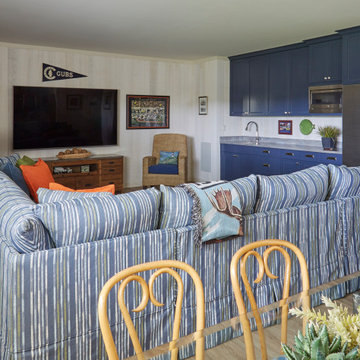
(37, 175)
(107, 188)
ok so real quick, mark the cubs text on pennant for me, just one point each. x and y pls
(51, 73)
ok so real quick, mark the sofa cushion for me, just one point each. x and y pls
(247, 189)
(47, 195)
(13, 158)
(38, 175)
(107, 188)
(94, 218)
(15, 174)
(18, 223)
(301, 187)
(169, 157)
(168, 169)
(25, 160)
(176, 207)
(344, 181)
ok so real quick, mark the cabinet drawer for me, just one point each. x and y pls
(66, 181)
(117, 182)
(111, 162)
(114, 171)
(87, 182)
(335, 159)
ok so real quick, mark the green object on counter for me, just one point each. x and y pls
(306, 127)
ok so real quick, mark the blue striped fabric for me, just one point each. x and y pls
(344, 181)
(48, 299)
(46, 195)
(315, 228)
(176, 207)
(94, 218)
(301, 187)
(247, 189)
(18, 223)
(13, 158)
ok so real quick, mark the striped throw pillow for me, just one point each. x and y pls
(176, 207)
(94, 218)
(247, 189)
(344, 181)
(301, 187)
(46, 195)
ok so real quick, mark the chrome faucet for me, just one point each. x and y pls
(248, 126)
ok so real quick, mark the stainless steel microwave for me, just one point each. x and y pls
(325, 99)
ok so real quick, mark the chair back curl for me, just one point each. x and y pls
(241, 257)
(130, 274)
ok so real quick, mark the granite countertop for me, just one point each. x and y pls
(301, 145)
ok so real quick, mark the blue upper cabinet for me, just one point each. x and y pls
(325, 60)
(351, 55)
(239, 87)
(288, 82)
(249, 86)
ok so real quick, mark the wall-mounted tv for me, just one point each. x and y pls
(47, 117)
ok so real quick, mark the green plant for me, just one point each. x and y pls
(317, 346)
(338, 321)
(329, 131)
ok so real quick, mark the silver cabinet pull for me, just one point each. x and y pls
(310, 156)
(266, 151)
(289, 154)
(331, 158)
(266, 165)
(234, 155)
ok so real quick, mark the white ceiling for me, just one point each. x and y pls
(182, 29)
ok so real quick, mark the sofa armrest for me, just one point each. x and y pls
(148, 161)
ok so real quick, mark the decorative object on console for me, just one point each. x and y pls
(329, 135)
(107, 188)
(147, 112)
(306, 127)
(285, 127)
(203, 105)
(37, 175)
(75, 153)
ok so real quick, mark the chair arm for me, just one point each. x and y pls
(148, 161)
(182, 167)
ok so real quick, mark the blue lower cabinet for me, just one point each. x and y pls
(240, 160)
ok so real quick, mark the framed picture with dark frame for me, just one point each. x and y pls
(147, 112)
(285, 127)
(203, 105)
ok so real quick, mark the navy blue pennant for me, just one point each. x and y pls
(52, 73)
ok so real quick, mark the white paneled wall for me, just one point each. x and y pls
(183, 81)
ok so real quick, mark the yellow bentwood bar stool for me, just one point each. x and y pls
(130, 274)
(241, 256)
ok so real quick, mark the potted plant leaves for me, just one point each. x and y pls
(329, 135)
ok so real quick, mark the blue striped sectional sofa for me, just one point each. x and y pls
(55, 256)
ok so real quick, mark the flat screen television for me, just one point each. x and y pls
(47, 117)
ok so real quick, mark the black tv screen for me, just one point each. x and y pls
(64, 117)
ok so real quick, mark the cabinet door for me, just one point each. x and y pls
(325, 62)
(258, 87)
(351, 58)
(279, 81)
(239, 87)
(298, 88)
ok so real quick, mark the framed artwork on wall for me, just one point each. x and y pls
(285, 127)
(147, 112)
(203, 105)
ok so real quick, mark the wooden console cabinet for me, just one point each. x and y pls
(88, 173)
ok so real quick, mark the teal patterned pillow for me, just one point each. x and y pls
(344, 181)
(95, 218)
(169, 157)
(176, 207)
(301, 187)
(47, 195)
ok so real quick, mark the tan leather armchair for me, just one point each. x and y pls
(166, 142)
